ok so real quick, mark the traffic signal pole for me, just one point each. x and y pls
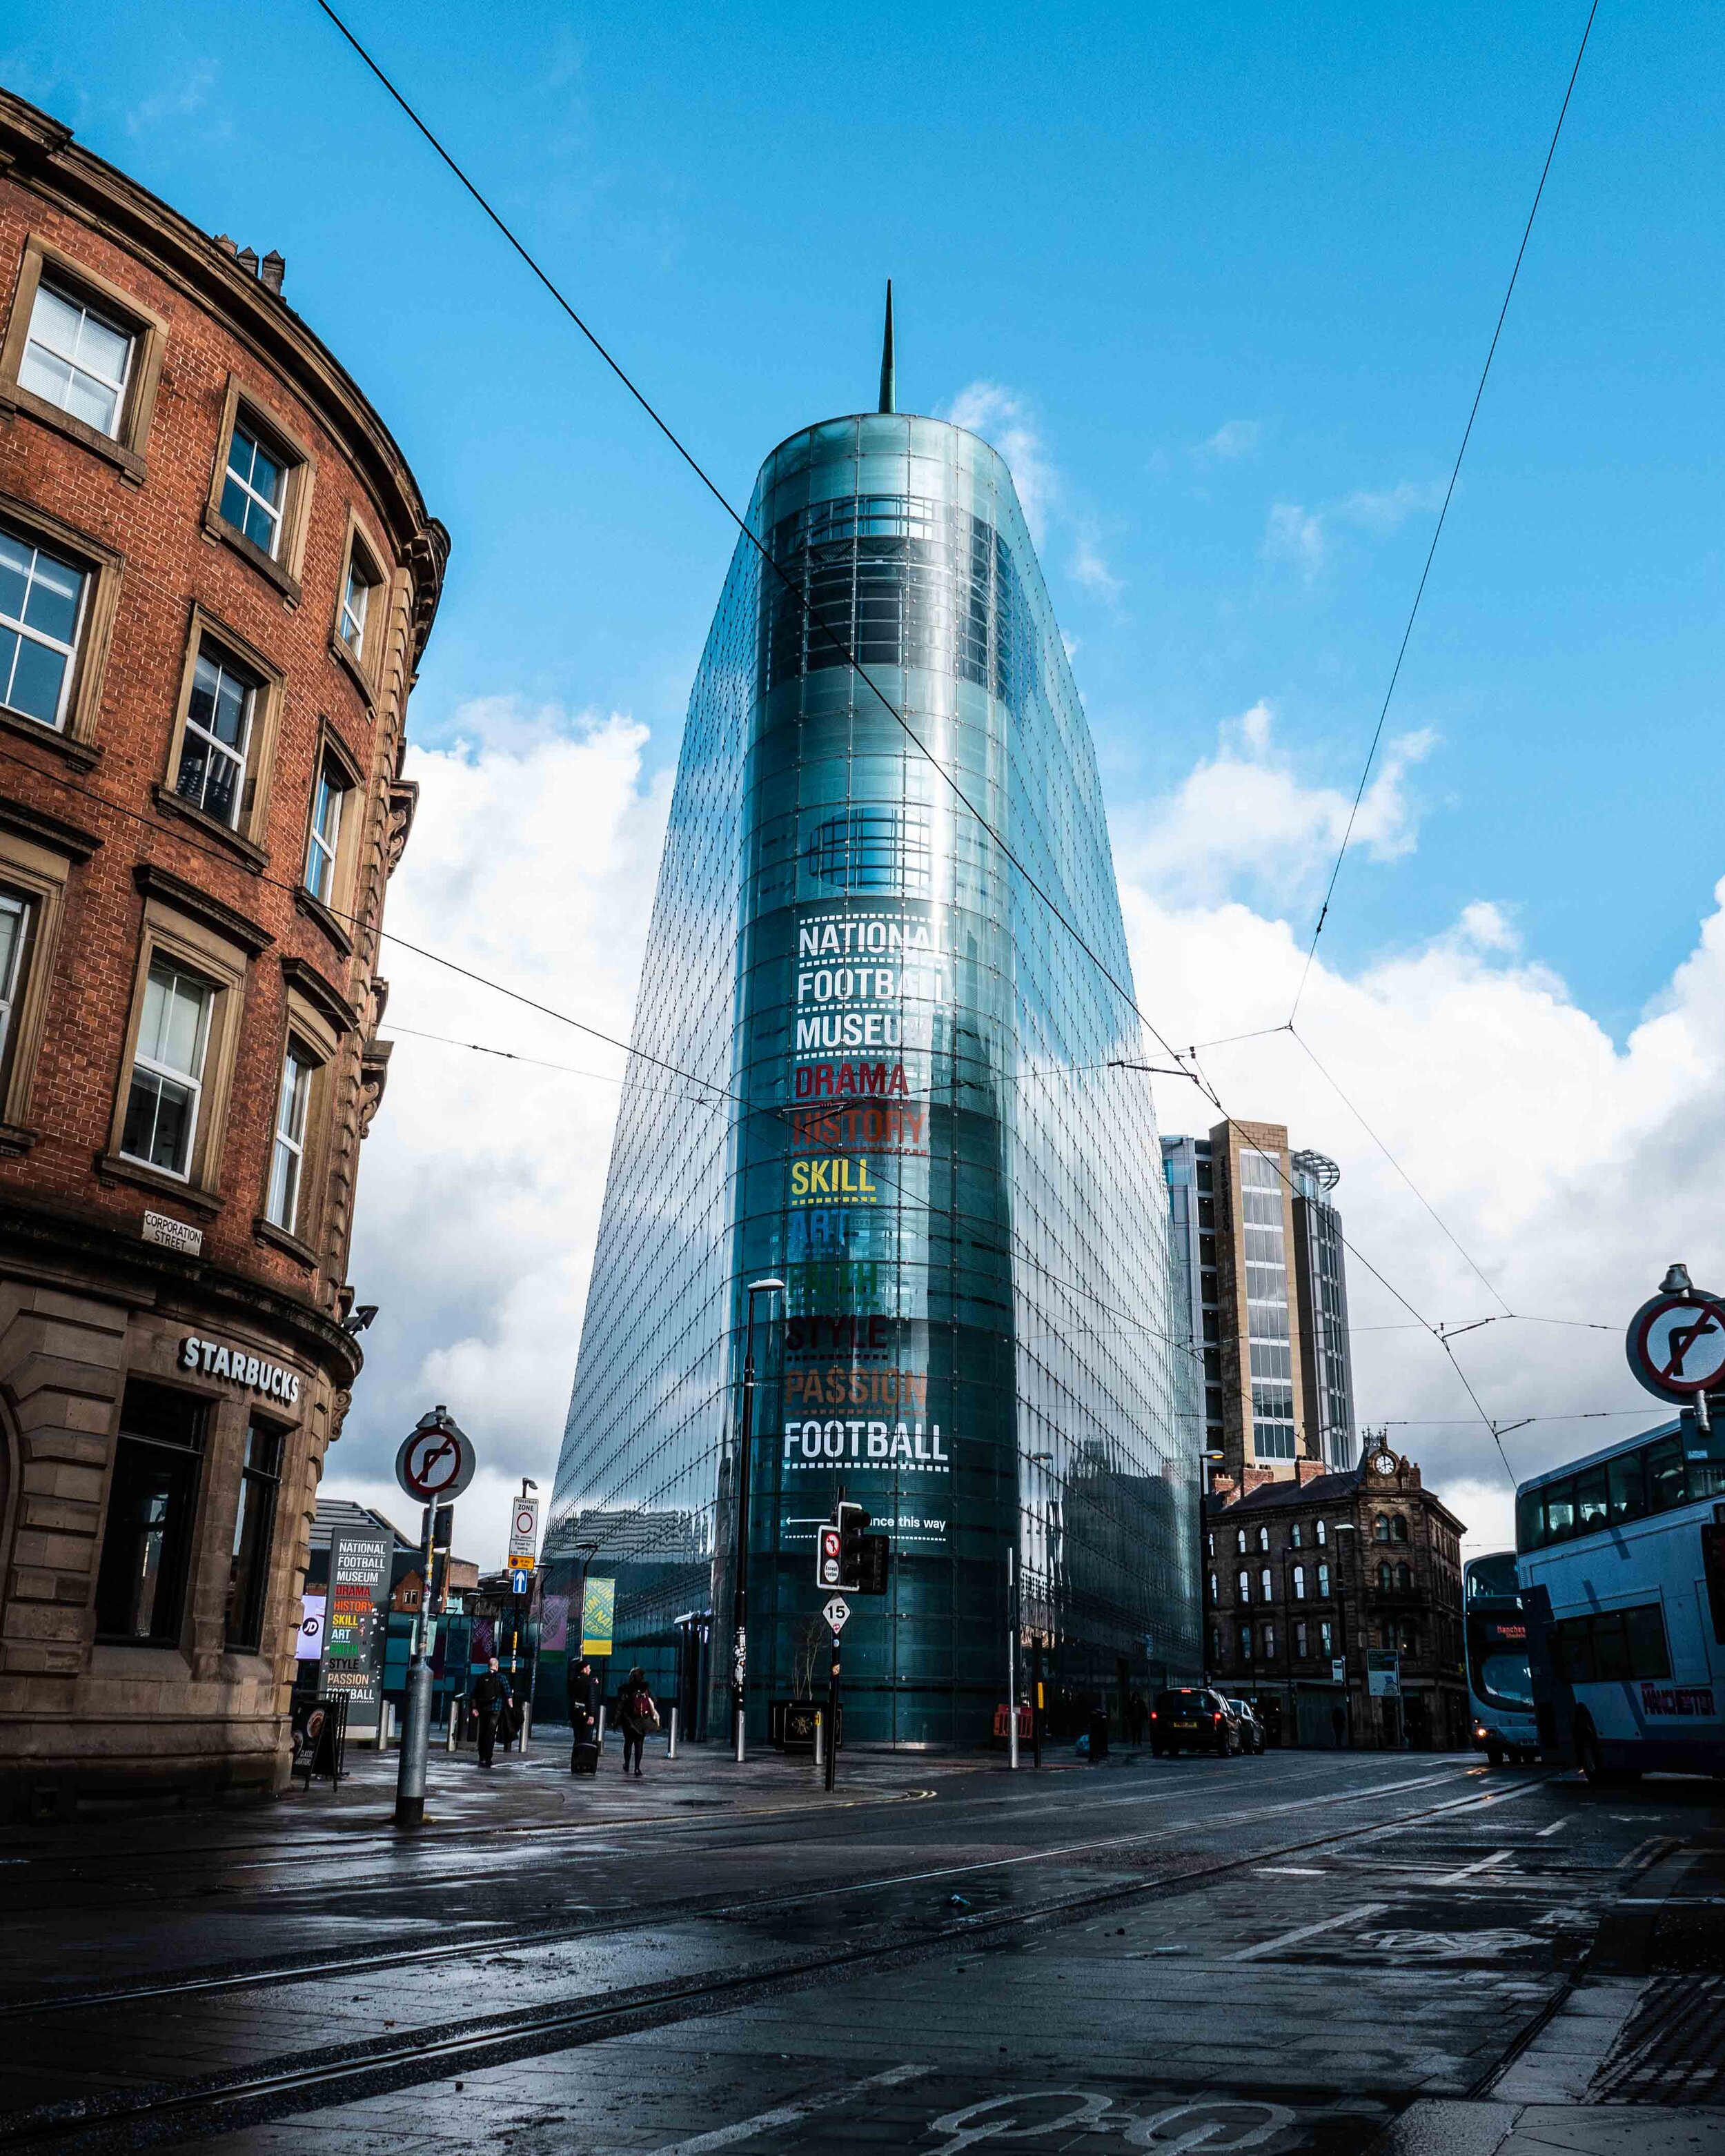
(832, 1758)
(416, 1721)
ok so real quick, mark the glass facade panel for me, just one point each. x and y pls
(914, 1122)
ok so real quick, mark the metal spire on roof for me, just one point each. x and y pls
(889, 373)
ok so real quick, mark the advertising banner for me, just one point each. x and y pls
(309, 1646)
(598, 1616)
(1383, 1673)
(353, 1649)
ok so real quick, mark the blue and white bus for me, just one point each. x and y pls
(1500, 1692)
(1621, 1561)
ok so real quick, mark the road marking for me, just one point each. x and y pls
(1557, 1826)
(790, 2114)
(1308, 1932)
(1473, 1871)
(1291, 1871)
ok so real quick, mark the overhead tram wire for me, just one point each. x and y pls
(818, 622)
(810, 614)
(1490, 1285)
(1443, 513)
(707, 1086)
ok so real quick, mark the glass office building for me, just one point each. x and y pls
(870, 1062)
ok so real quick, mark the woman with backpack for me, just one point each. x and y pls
(640, 1714)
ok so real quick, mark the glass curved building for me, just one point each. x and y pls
(904, 1099)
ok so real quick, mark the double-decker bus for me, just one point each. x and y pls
(1500, 1691)
(1621, 1561)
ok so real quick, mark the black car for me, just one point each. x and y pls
(1192, 1721)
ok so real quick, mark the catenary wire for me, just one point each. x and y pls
(1438, 530)
(819, 622)
(816, 619)
(1490, 1285)
(659, 1063)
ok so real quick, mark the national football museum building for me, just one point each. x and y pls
(883, 1055)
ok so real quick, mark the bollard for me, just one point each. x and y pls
(817, 1734)
(454, 1713)
(670, 1748)
(525, 1736)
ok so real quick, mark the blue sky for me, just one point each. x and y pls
(1150, 225)
(1219, 283)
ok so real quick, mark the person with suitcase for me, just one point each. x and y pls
(584, 1721)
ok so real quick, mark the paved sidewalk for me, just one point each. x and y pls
(1633, 2061)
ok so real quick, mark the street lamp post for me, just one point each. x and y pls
(739, 1583)
(1344, 1528)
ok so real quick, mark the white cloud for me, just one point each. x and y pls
(1003, 417)
(1302, 536)
(187, 97)
(1296, 535)
(1384, 511)
(1234, 437)
(1085, 566)
(1243, 821)
(532, 862)
(1572, 1170)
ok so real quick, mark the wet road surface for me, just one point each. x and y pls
(1276, 1953)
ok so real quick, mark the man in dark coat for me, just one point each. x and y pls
(490, 1698)
(583, 1707)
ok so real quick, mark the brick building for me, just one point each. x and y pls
(1300, 1575)
(216, 577)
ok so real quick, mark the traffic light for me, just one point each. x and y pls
(852, 1521)
(875, 1554)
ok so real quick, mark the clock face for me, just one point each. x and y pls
(1385, 1464)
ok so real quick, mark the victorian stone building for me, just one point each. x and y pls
(1333, 1602)
(216, 577)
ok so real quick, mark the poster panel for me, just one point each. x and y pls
(352, 1651)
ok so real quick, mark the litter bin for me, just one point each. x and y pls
(1098, 1738)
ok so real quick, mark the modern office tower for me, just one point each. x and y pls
(1264, 1295)
(906, 1105)
(1321, 1276)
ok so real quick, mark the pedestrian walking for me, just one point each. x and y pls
(640, 1715)
(1140, 1718)
(1338, 1725)
(490, 1699)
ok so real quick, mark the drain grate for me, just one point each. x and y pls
(1673, 2048)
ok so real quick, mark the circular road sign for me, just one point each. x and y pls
(436, 1463)
(1676, 1344)
(527, 1521)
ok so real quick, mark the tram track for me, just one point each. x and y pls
(591, 1920)
(149, 2115)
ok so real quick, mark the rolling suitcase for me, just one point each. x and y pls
(584, 1758)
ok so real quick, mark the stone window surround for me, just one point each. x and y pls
(334, 913)
(39, 872)
(247, 836)
(364, 667)
(149, 331)
(76, 739)
(299, 471)
(310, 1025)
(184, 939)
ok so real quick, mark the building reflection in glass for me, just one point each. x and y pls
(911, 1110)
